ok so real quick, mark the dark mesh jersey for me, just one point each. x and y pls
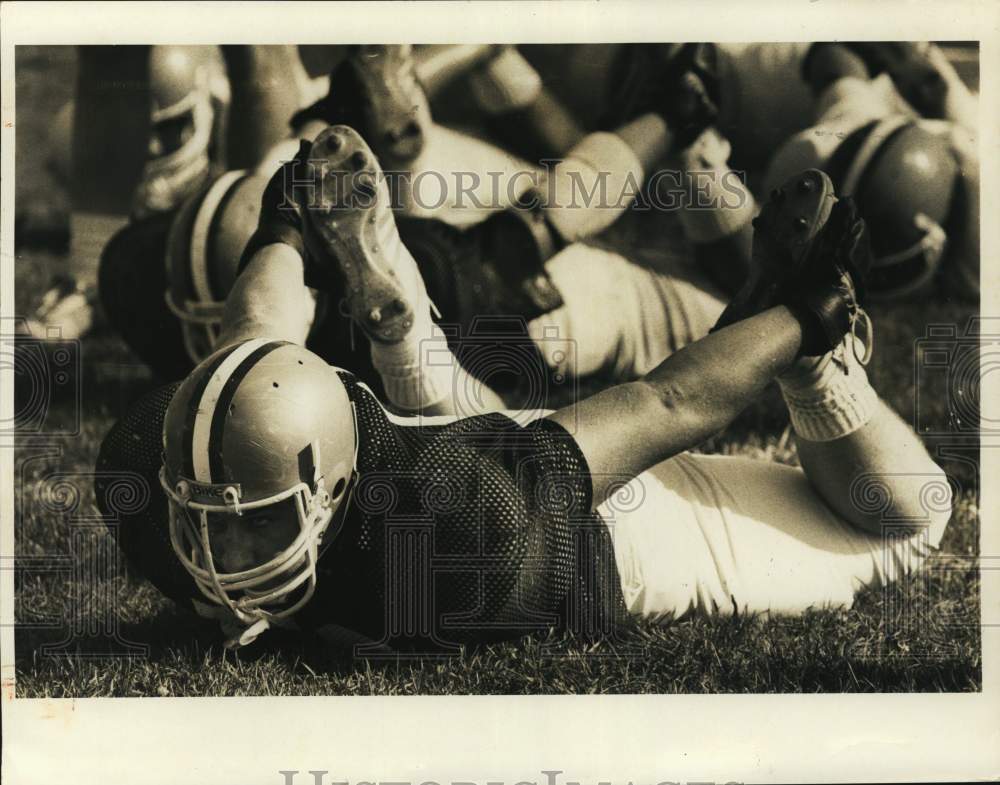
(474, 531)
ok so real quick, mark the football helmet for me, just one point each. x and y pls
(204, 246)
(903, 178)
(258, 423)
(182, 118)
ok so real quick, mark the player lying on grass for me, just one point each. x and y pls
(891, 123)
(164, 126)
(622, 315)
(283, 492)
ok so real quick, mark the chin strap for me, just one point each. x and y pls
(238, 636)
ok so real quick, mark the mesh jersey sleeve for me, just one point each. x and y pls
(477, 531)
(132, 452)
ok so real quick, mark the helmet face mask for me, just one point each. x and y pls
(260, 426)
(171, 175)
(909, 270)
(201, 323)
(265, 590)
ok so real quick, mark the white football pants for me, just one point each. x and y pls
(714, 534)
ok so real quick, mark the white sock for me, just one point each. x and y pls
(505, 83)
(728, 204)
(828, 397)
(579, 206)
(419, 370)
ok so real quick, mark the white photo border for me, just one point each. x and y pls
(473, 739)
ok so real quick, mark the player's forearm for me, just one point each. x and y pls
(692, 395)
(269, 299)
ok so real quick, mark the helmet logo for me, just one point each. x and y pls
(228, 493)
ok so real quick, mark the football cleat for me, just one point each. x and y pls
(350, 224)
(375, 90)
(258, 424)
(678, 82)
(784, 231)
(810, 253)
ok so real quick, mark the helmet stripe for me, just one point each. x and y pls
(872, 142)
(187, 438)
(219, 288)
(226, 395)
(206, 406)
(200, 233)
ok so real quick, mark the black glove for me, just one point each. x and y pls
(682, 86)
(914, 75)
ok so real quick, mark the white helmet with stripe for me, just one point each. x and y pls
(258, 423)
(187, 88)
(204, 246)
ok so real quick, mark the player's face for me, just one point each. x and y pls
(169, 136)
(242, 542)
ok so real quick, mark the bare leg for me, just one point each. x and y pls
(853, 446)
(268, 84)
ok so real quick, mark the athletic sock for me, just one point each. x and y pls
(829, 396)
(718, 204)
(596, 182)
(419, 370)
(505, 83)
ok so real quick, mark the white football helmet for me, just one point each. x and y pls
(256, 424)
(204, 246)
(184, 102)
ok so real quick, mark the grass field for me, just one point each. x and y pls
(80, 612)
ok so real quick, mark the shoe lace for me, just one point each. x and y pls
(861, 329)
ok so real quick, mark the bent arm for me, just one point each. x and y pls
(690, 396)
(269, 299)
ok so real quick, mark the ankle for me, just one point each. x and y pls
(828, 397)
(419, 370)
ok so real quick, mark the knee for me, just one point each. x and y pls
(906, 502)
